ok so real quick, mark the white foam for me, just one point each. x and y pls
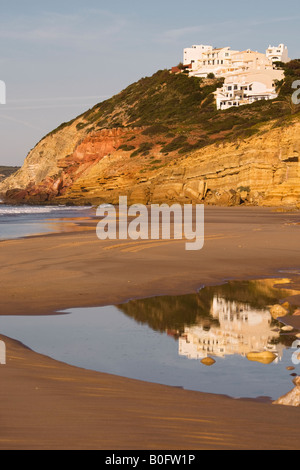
(19, 210)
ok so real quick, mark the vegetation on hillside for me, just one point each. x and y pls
(180, 111)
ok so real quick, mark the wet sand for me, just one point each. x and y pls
(45, 404)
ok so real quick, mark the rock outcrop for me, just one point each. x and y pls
(264, 357)
(293, 397)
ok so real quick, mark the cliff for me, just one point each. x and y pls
(161, 140)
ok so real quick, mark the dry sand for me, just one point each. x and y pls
(48, 405)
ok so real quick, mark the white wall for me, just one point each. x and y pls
(194, 53)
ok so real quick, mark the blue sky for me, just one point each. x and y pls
(59, 58)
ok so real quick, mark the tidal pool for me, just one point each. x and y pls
(164, 339)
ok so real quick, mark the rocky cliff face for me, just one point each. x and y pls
(161, 140)
(263, 170)
(71, 167)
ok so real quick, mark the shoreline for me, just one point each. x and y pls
(78, 243)
(65, 270)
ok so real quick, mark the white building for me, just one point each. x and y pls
(248, 87)
(249, 76)
(205, 59)
(192, 55)
(278, 54)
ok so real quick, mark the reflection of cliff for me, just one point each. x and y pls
(242, 330)
(174, 313)
(171, 313)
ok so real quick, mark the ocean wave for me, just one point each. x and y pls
(28, 210)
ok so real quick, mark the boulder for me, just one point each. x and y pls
(278, 311)
(208, 361)
(293, 397)
(287, 328)
(264, 357)
(195, 190)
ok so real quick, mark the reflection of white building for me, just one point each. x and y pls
(242, 330)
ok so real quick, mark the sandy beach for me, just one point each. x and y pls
(49, 405)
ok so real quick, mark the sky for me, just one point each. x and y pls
(60, 58)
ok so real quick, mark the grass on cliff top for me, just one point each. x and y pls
(159, 101)
(177, 106)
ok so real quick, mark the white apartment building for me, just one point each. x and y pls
(205, 59)
(248, 87)
(216, 61)
(278, 54)
(192, 55)
(249, 76)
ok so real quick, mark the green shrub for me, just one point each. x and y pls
(126, 148)
(144, 149)
(156, 129)
(81, 125)
(176, 144)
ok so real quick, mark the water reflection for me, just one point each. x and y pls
(229, 327)
(234, 318)
(242, 330)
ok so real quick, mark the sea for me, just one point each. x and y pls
(23, 221)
